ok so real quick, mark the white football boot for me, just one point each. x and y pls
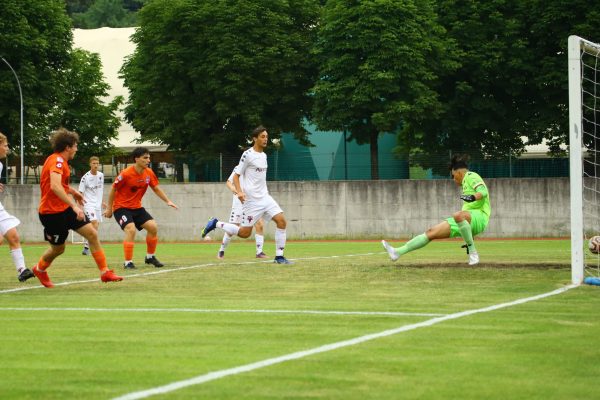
(390, 250)
(473, 258)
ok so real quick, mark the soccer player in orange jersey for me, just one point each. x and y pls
(125, 202)
(60, 212)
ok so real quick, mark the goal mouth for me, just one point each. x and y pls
(584, 155)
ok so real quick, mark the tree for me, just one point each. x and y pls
(379, 62)
(35, 37)
(60, 86)
(205, 73)
(111, 13)
(82, 107)
(512, 82)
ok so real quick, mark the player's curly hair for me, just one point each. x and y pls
(459, 161)
(63, 138)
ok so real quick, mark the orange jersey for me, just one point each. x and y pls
(130, 187)
(50, 203)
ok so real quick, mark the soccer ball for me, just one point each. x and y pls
(208, 238)
(594, 244)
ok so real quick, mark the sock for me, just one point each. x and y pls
(86, 244)
(231, 229)
(413, 244)
(18, 259)
(280, 238)
(128, 250)
(260, 240)
(151, 244)
(465, 231)
(225, 241)
(100, 259)
(42, 265)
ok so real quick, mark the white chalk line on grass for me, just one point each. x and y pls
(224, 311)
(211, 376)
(167, 270)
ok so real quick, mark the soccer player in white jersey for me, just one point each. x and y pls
(8, 227)
(236, 218)
(92, 189)
(255, 197)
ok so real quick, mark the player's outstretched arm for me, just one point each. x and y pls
(109, 206)
(163, 196)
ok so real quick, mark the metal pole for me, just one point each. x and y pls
(575, 161)
(345, 157)
(22, 146)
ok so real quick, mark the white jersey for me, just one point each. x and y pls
(92, 187)
(1, 168)
(253, 167)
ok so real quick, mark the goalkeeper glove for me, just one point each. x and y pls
(469, 198)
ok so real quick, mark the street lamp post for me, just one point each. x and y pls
(21, 97)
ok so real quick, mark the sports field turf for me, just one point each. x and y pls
(263, 330)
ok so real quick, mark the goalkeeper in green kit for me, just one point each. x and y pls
(467, 223)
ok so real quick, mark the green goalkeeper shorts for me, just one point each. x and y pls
(479, 222)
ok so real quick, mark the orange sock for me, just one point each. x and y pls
(128, 249)
(100, 259)
(151, 244)
(42, 264)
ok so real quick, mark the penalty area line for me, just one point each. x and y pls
(211, 376)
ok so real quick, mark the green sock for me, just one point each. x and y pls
(465, 231)
(413, 244)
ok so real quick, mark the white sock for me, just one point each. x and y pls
(260, 240)
(231, 229)
(225, 241)
(280, 238)
(18, 259)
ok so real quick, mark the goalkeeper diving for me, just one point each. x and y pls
(467, 223)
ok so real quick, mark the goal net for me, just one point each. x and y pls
(584, 148)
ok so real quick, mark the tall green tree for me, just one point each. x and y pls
(205, 73)
(35, 38)
(512, 82)
(61, 87)
(379, 63)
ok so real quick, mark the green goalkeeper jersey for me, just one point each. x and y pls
(471, 184)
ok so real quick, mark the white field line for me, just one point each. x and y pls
(224, 311)
(211, 376)
(167, 270)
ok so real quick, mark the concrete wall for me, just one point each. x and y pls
(339, 209)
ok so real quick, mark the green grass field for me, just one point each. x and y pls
(197, 315)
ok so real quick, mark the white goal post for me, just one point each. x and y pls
(584, 143)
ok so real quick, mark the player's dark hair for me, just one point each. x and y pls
(459, 161)
(63, 138)
(139, 151)
(258, 130)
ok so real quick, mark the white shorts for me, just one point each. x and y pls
(92, 213)
(7, 222)
(237, 210)
(254, 210)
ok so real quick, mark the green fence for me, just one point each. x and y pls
(333, 158)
